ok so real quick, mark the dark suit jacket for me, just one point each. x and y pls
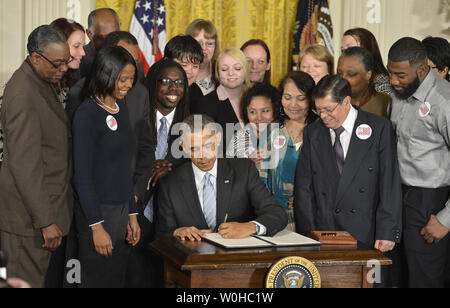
(195, 98)
(35, 189)
(240, 194)
(137, 101)
(87, 60)
(366, 199)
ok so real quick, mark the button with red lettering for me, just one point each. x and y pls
(364, 132)
(279, 142)
(112, 123)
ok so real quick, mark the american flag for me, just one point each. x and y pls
(364, 131)
(148, 25)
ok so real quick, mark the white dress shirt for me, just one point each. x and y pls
(346, 135)
(199, 177)
(168, 117)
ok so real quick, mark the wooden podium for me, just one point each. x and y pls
(203, 265)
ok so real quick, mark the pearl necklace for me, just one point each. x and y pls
(106, 107)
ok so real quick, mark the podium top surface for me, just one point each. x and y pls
(203, 255)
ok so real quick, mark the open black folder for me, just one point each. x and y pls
(283, 238)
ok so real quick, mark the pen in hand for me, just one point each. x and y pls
(224, 221)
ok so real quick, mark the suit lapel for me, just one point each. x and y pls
(48, 93)
(189, 191)
(325, 154)
(357, 150)
(224, 184)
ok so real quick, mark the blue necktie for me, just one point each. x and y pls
(209, 202)
(161, 148)
(160, 153)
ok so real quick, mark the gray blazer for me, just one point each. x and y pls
(35, 189)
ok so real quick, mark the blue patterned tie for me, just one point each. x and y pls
(160, 153)
(161, 148)
(209, 202)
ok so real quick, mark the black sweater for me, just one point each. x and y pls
(103, 158)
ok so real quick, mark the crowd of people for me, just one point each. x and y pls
(100, 159)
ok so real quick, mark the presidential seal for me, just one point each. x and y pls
(293, 272)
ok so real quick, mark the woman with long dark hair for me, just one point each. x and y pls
(103, 146)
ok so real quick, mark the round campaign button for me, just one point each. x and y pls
(279, 142)
(424, 109)
(112, 123)
(364, 132)
(249, 152)
(293, 273)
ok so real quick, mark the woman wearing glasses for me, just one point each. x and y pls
(103, 146)
(204, 32)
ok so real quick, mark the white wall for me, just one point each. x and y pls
(19, 17)
(389, 20)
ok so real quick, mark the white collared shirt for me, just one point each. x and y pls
(346, 135)
(199, 177)
(168, 117)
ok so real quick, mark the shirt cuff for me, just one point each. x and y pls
(262, 228)
(444, 215)
(97, 223)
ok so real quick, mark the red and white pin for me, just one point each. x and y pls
(112, 123)
(424, 109)
(279, 142)
(249, 152)
(364, 132)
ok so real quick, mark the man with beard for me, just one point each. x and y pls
(421, 116)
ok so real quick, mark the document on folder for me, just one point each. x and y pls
(283, 238)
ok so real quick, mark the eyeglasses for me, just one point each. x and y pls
(57, 66)
(167, 82)
(325, 110)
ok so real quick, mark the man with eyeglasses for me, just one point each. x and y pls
(347, 176)
(421, 116)
(36, 196)
(187, 52)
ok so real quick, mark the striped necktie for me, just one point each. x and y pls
(338, 149)
(160, 153)
(209, 201)
(161, 148)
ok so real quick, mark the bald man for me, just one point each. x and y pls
(101, 22)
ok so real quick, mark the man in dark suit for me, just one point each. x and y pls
(209, 194)
(101, 22)
(347, 176)
(36, 202)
